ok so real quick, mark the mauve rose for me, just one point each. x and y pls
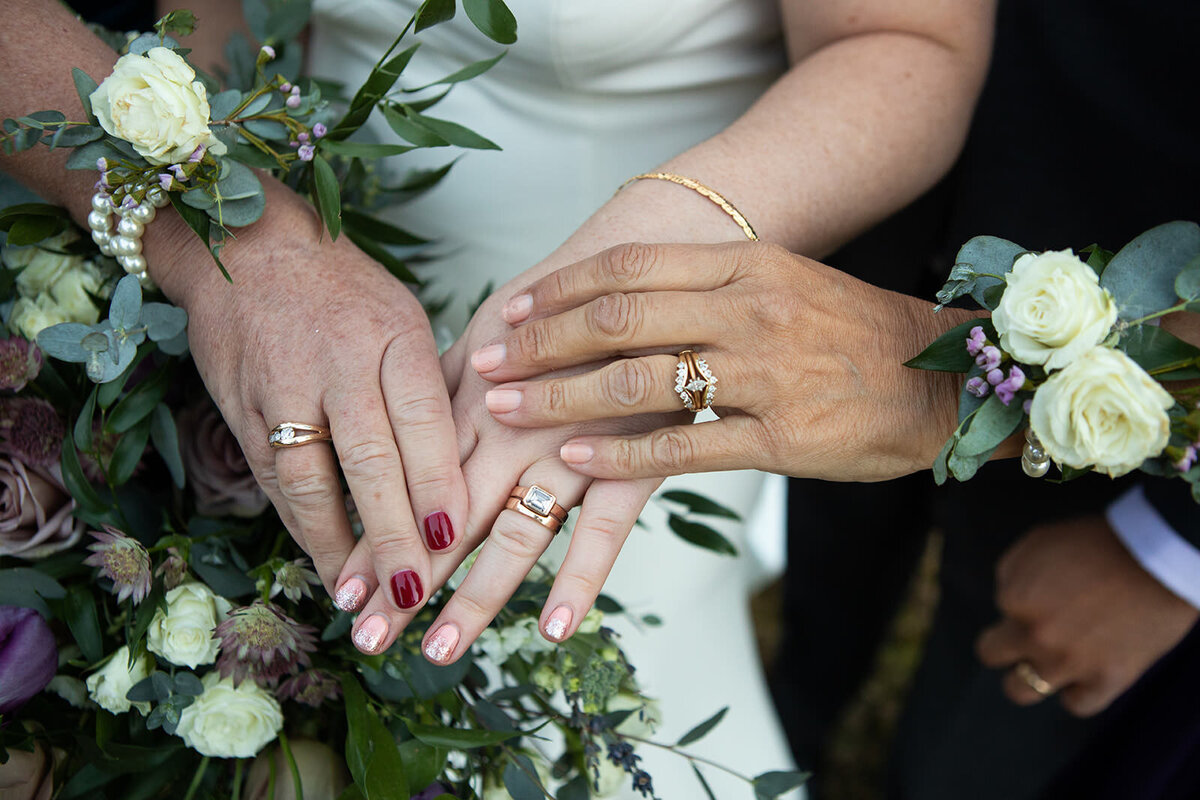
(35, 511)
(220, 477)
(28, 657)
(28, 776)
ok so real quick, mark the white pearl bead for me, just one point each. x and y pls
(101, 237)
(100, 203)
(145, 281)
(139, 188)
(125, 246)
(157, 196)
(132, 264)
(144, 213)
(128, 226)
(1034, 469)
(99, 221)
(106, 249)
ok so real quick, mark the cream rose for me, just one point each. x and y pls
(183, 635)
(41, 264)
(228, 722)
(154, 102)
(322, 772)
(73, 293)
(1053, 309)
(31, 317)
(1102, 411)
(109, 685)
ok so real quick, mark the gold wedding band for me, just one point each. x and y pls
(536, 503)
(694, 382)
(1032, 679)
(294, 434)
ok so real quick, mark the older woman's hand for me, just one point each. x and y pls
(808, 359)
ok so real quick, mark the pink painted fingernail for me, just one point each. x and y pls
(487, 358)
(370, 633)
(502, 401)
(441, 645)
(559, 622)
(517, 309)
(350, 595)
(576, 453)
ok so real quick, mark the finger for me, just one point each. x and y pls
(734, 442)
(1019, 684)
(626, 386)
(509, 553)
(423, 426)
(614, 324)
(1087, 699)
(627, 268)
(1003, 644)
(610, 509)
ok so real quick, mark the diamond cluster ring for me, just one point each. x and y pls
(294, 434)
(694, 382)
(537, 504)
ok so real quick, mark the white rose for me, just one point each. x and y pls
(228, 722)
(155, 103)
(183, 635)
(109, 686)
(1102, 411)
(73, 292)
(1053, 309)
(42, 265)
(29, 317)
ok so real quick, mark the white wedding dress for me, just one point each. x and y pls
(592, 93)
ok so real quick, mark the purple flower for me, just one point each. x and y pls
(28, 657)
(197, 155)
(302, 138)
(262, 643)
(977, 386)
(164, 180)
(293, 101)
(173, 569)
(976, 340)
(1027, 406)
(178, 172)
(20, 362)
(988, 358)
(1188, 459)
(35, 511)
(1007, 389)
(306, 152)
(129, 203)
(431, 791)
(123, 561)
(102, 164)
(995, 377)
(285, 87)
(311, 688)
(216, 468)
(31, 431)
(268, 51)
(319, 130)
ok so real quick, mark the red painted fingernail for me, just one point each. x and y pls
(406, 588)
(439, 531)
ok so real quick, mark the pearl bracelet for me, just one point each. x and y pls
(126, 242)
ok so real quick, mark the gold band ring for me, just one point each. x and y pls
(294, 434)
(694, 382)
(1033, 679)
(537, 504)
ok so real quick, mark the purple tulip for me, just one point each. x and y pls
(28, 657)
(431, 791)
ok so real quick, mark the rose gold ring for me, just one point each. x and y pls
(294, 434)
(537, 504)
(1033, 679)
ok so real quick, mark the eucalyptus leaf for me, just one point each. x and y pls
(65, 341)
(1161, 353)
(521, 779)
(701, 535)
(493, 19)
(96, 342)
(75, 135)
(990, 426)
(700, 731)
(1141, 276)
(84, 86)
(126, 306)
(163, 321)
(286, 20)
(239, 213)
(987, 256)
(237, 182)
(199, 197)
(268, 129)
(221, 105)
(1187, 282)
(770, 785)
(142, 691)
(176, 345)
(43, 119)
(199, 222)
(186, 683)
(144, 43)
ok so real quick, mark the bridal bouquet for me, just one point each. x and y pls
(160, 635)
(1073, 354)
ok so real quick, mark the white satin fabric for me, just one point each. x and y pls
(592, 93)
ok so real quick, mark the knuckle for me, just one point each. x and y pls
(533, 343)
(304, 487)
(1043, 637)
(615, 316)
(631, 262)
(420, 409)
(554, 395)
(521, 541)
(468, 606)
(428, 483)
(671, 450)
(368, 457)
(627, 383)
(395, 546)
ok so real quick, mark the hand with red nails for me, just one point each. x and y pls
(1082, 613)
(808, 361)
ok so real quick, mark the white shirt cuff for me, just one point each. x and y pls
(1162, 552)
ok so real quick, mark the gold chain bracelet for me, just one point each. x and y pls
(703, 190)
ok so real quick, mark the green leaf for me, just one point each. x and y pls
(991, 255)
(1161, 353)
(574, 789)
(139, 403)
(770, 785)
(701, 535)
(411, 131)
(163, 321)
(422, 763)
(465, 74)
(165, 438)
(85, 157)
(521, 781)
(493, 19)
(128, 453)
(608, 605)
(200, 224)
(1141, 276)
(381, 254)
(84, 86)
(362, 149)
(75, 135)
(991, 425)
(126, 306)
(82, 434)
(327, 195)
(1187, 282)
(378, 83)
(29, 588)
(12, 213)
(434, 12)
(79, 487)
(939, 463)
(31, 230)
(948, 352)
(377, 229)
(287, 20)
(458, 738)
(79, 610)
(452, 132)
(268, 129)
(699, 504)
(700, 731)
(1097, 258)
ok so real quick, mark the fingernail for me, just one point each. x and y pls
(349, 597)
(517, 309)
(501, 401)
(370, 633)
(576, 453)
(559, 622)
(487, 358)
(439, 530)
(442, 643)
(406, 588)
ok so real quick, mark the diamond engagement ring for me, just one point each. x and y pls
(694, 382)
(1032, 679)
(537, 504)
(294, 434)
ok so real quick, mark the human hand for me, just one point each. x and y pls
(314, 331)
(1082, 613)
(809, 363)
